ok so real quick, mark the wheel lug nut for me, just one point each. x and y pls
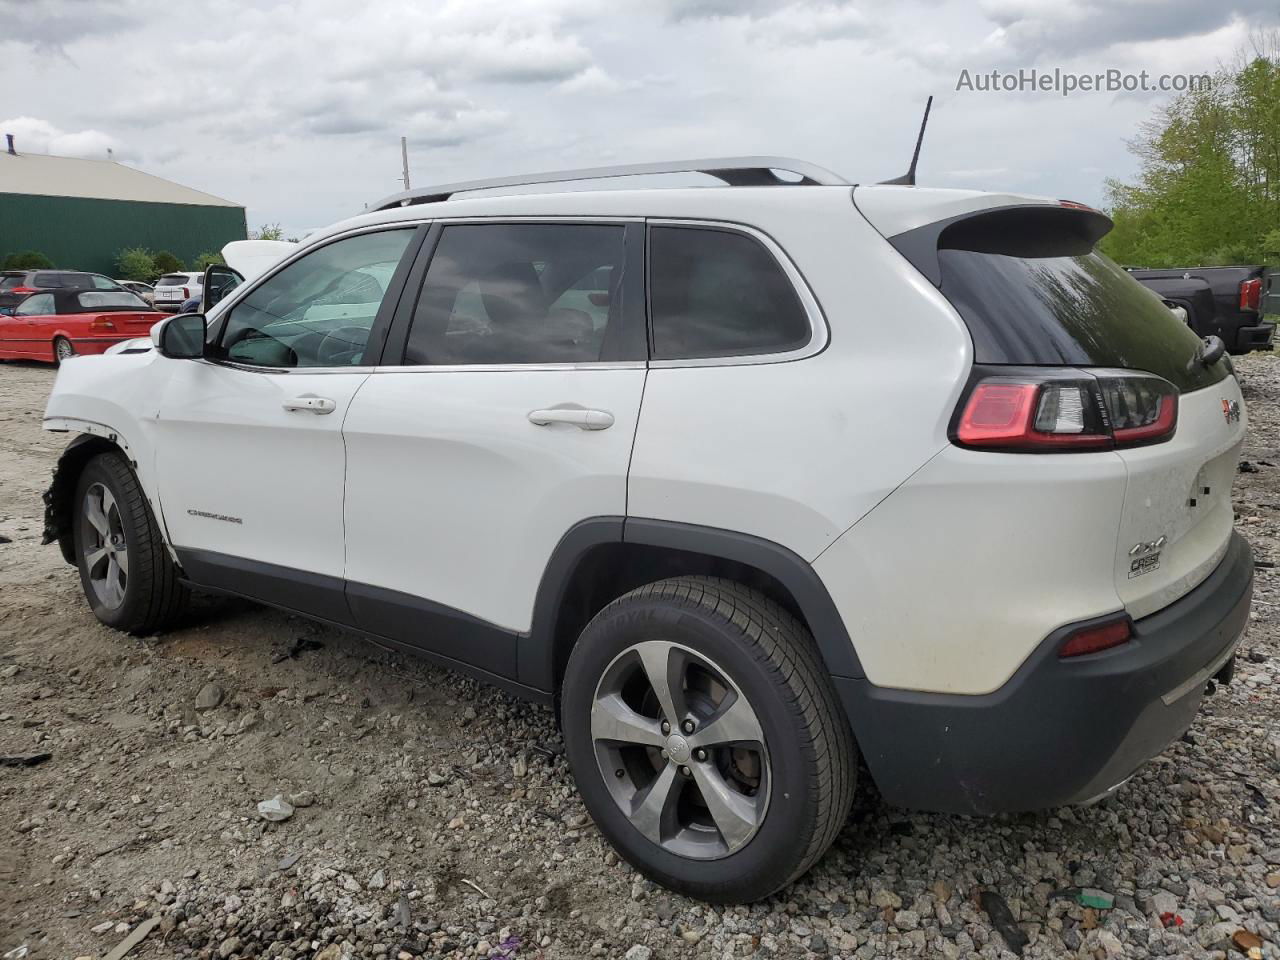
(664, 755)
(700, 754)
(666, 727)
(687, 726)
(685, 771)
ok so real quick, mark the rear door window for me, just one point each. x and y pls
(508, 293)
(719, 293)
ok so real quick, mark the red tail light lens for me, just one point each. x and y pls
(1250, 294)
(24, 289)
(101, 325)
(1095, 639)
(1057, 411)
(186, 294)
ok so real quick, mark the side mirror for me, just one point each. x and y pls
(180, 337)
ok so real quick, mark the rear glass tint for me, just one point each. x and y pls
(174, 280)
(1030, 295)
(10, 281)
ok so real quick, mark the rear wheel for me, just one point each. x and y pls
(62, 349)
(126, 572)
(705, 738)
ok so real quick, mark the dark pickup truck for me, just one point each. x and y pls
(1222, 301)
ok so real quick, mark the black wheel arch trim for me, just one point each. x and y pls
(58, 506)
(537, 653)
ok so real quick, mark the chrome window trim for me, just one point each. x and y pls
(513, 367)
(819, 331)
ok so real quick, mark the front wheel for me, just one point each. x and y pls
(126, 572)
(705, 738)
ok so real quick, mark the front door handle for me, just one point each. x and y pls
(316, 405)
(585, 419)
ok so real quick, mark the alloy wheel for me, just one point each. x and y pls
(63, 349)
(680, 750)
(103, 546)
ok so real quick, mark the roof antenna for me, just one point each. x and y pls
(908, 179)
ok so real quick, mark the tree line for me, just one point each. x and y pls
(1208, 190)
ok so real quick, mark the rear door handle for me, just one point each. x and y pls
(585, 419)
(317, 405)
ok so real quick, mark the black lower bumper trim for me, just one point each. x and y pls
(1057, 732)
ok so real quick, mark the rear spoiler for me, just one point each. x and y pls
(1065, 229)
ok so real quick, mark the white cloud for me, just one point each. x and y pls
(32, 135)
(296, 107)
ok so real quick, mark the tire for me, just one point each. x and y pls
(62, 349)
(783, 797)
(121, 534)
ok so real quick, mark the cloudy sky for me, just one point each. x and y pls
(295, 107)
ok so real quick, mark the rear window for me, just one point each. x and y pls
(46, 281)
(717, 293)
(174, 280)
(9, 281)
(110, 300)
(1032, 294)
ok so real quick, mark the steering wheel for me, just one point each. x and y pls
(340, 347)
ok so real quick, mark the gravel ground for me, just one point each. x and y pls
(434, 817)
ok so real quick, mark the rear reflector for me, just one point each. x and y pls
(1050, 410)
(1250, 294)
(1097, 638)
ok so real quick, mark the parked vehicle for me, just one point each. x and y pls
(144, 291)
(1219, 301)
(173, 289)
(743, 480)
(55, 325)
(17, 284)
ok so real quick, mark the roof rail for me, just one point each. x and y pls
(734, 171)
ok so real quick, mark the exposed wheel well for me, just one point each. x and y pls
(59, 508)
(607, 571)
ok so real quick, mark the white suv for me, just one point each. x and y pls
(746, 480)
(174, 289)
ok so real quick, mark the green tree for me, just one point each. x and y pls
(1208, 191)
(27, 260)
(136, 263)
(166, 262)
(206, 258)
(268, 231)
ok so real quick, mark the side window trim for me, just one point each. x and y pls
(382, 321)
(630, 345)
(819, 331)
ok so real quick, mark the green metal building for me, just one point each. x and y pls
(82, 213)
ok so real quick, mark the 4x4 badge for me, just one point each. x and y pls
(1231, 410)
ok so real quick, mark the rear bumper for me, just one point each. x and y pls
(1255, 338)
(1058, 732)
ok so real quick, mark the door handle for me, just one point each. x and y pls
(317, 405)
(584, 419)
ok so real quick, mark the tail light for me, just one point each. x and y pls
(1250, 294)
(24, 289)
(101, 325)
(1038, 410)
(1096, 638)
(186, 294)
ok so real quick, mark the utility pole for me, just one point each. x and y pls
(404, 159)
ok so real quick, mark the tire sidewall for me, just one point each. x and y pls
(773, 854)
(97, 471)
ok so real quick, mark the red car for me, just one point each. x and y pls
(56, 324)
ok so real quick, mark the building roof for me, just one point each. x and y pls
(46, 175)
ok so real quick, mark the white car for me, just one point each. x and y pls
(144, 290)
(174, 289)
(745, 480)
